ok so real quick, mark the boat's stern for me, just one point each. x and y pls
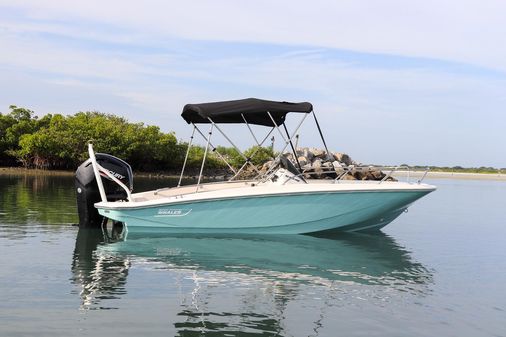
(91, 188)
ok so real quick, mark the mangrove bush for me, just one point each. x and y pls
(57, 141)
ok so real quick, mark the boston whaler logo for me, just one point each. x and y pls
(172, 212)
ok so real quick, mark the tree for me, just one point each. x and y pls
(6, 122)
(57, 141)
(13, 126)
(259, 155)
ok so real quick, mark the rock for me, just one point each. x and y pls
(358, 175)
(302, 160)
(347, 160)
(317, 163)
(376, 175)
(289, 156)
(247, 173)
(308, 154)
(319, 153)
(328, 168)
(266, 166)
(306, 167)
(327, 165)
(348, 176)
(337, 166)
(343, 158)
(319, 172)
(317, 168)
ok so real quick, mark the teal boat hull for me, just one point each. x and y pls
(271, 214)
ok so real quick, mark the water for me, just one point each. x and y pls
(439, 270)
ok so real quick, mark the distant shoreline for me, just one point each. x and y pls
(156, 175)
(175, 175)
(33, 172)
(452, 175)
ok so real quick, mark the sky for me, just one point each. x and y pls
(392, 82)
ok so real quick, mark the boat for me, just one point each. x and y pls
(280, 200)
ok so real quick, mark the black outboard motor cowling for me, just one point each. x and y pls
(87, 189)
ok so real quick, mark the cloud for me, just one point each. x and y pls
(460, 31)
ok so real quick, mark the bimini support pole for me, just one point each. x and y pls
(248, 160)
(249, 128)
(205, 155)
(215, 150)
(253, 155)
(287, 142)
(321, 134)
(293, 148)
(98, 178)
(186, 156)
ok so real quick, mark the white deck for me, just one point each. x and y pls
(239, 189)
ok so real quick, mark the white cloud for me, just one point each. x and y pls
(463, 31)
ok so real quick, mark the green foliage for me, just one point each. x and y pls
(6, 121)
(259, 155)
(58, 141)
(231, 155)
(13, 127)
(61, 142)
(18, 122)
(196, 155)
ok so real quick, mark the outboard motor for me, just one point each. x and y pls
(87, 189)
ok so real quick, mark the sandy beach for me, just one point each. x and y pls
(452, 175)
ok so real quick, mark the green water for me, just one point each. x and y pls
(439, 270)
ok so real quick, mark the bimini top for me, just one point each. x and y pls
(254, 111)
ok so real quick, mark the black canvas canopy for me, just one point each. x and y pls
(254, 111)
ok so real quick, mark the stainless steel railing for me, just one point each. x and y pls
(342, 172)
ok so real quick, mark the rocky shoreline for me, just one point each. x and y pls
(318, 164)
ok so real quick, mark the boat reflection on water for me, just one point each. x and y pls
(361, 258)
(284, 264)
(99, 275)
